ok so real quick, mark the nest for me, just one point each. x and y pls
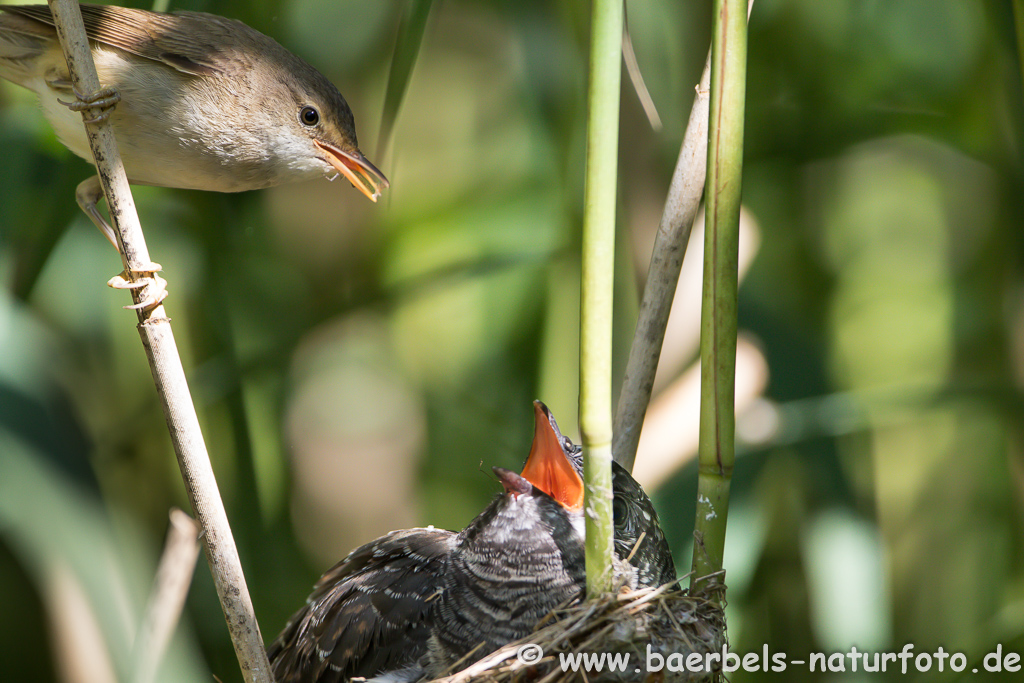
(650, 625)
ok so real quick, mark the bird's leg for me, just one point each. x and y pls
(103, 99)
(88, 195)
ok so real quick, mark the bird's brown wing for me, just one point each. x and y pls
(191, 42)
(368, 614)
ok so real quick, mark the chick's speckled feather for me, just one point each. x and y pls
(368, 613)
(518, 560)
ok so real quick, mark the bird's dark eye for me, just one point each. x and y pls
(309, 116)
(619, 511)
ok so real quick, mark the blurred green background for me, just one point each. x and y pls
(359, 367)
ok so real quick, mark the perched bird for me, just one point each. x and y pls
(414, 602)
(196, 101)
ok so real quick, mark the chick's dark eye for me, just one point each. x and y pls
(619, 511)
(309, 116)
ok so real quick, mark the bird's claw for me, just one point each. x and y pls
(144, 276)
(103, 99)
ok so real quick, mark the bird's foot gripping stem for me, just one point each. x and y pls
(103, 99)
(88, 194)
(144, 276)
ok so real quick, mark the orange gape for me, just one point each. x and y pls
(548, 468)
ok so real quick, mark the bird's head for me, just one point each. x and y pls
(321, 119)
(543, 505)
(638, 534)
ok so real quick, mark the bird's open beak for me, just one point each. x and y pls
(548, 467)
(512, 482)
(363, 175)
